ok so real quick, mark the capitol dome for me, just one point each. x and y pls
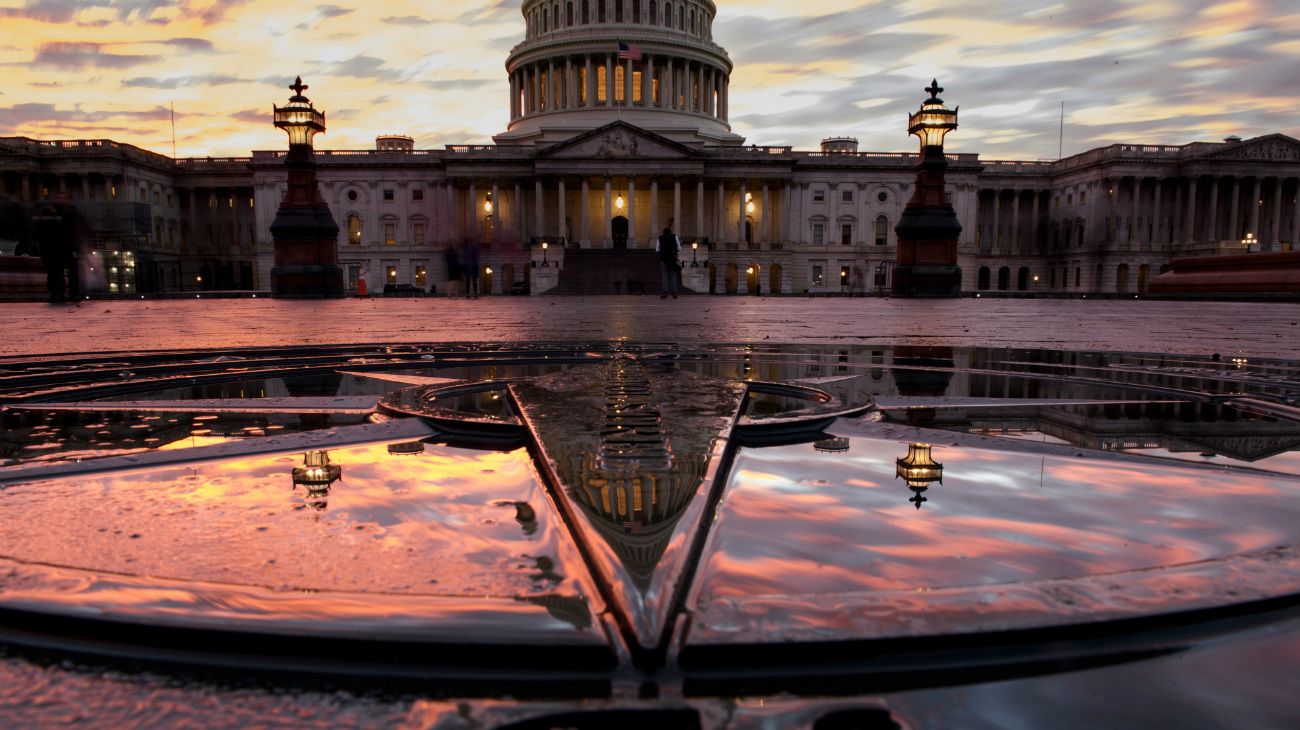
(651, 63)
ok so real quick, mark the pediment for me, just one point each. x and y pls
(1271, 148)
(619, 140)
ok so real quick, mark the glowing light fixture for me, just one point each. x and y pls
(316, 472)
(919, 470)
(934, 120)
(618, 202)
(299, 118)
(487, 204)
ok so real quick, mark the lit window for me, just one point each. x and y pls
(354, 230)
(417, 234)
(390, 234)
(602, 93)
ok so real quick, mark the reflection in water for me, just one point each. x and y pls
(421, 524)
(832, 445)
(1010, 517)
(919, 470)
(631, 445)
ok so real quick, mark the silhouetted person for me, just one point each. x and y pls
(15, 227)
(76, 244)
(55, 247)
(669, 248)
(471, 269)
(455, 269)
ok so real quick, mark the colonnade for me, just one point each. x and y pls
(591, 80)
(1140, 213)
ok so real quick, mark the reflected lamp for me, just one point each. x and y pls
(919, 470)
(316, 472)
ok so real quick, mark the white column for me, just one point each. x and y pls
(677, 205)
(1212, 213)
(1189, 231)
(699, 208)
(767, 230)
(518, 203)
(586, 207)
(1155, 214)
(719, 221)
(609, 211)
(631, 211)
(551, 96)
(1234, 211)
(655, 228)
(671, 96)
(564, 213)
(995, 242)
(701, 105)
(1256, 195)
(591, 83)
(740, 203)
(539, 209)
(647, 84)
(609, 84)
(497, 228)
(1033, 224)
(1013, 241)
(1135, 214)
(1275, 234)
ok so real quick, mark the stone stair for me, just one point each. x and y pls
(609, 271)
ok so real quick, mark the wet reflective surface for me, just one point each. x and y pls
(550, 520)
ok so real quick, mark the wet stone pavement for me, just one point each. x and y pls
(1259, 329)
(607, 533)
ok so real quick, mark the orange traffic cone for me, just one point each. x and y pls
(361, 288)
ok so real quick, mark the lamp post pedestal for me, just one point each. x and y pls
(928, 231)
(304, 232)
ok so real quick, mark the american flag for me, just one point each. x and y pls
(628, 52)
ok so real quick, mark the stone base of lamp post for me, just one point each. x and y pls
(306, 251)
(927, 281)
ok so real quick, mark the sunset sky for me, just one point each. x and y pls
(1159, 71)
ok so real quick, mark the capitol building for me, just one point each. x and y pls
(619, 128)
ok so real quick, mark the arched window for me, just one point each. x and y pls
(586, 12)
(668, 14)
(1022, 278)
(983, 278)
(1004, 278)
(354, 230)
(546, 21)
(600, 11)
(681, 17)
(618, 11)
(1121, 279)
(882, 230)
(653, 17)
(692, 20)
(568, 15)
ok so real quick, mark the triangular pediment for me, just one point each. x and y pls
(619, 140)
(1269, 148)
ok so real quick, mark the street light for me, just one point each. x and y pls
(487, 204)
(618, 202)
(545, 245)
(695, 247)
(934, 120)
(1249, 241)
(299, 118)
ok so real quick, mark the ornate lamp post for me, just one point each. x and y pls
(928, 230)
(545, 264)
(695, 249)
(919, 470)
(304, 231)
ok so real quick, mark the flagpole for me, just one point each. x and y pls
(173, 103)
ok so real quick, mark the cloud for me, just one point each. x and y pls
(64, 11)
(191, 44)
(406, 20)
(149, 82)
(252, 116)
(80, 55)
(459, 84)
(29, 113)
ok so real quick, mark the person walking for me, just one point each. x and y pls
(14, 226)
(670, 268)
(48, 233)
(472, 269)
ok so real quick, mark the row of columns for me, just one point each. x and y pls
(572, 82)
(1144, 212)
(463, 217)
(686, 17)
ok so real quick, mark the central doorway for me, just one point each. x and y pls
(618, 230)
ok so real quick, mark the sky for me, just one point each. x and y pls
(1143, 71)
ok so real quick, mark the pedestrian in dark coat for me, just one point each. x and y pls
(14, 226)
(670, 268)
(50, 236)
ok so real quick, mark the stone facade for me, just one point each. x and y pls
(767, 219)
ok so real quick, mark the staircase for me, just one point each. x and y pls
(609, 271)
